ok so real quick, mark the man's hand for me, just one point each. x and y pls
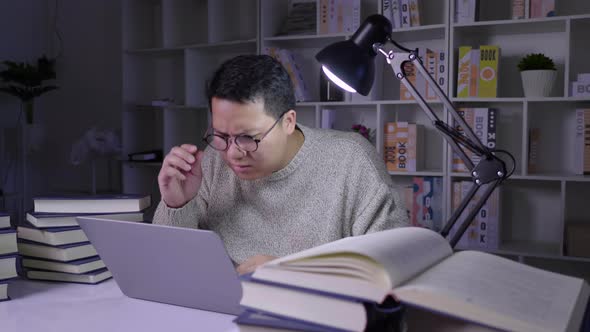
(180, 176)
(252, 263)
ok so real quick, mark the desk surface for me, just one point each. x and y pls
(64, 307)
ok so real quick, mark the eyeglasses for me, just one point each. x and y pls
(244, 142)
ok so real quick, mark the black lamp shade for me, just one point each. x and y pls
(352, 60)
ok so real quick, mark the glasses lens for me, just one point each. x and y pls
(246, 143)
(217, 142)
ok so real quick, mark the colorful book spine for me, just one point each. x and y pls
(431, 67)
(414, 13)
(518, 7)
(410, 72)
(578, 155)
(474, 73)
(542, 8)
(427, 203)
(587, 141)
(468, 115)
(488, 77)
(396, 146)
(396, 14)
(464, 72)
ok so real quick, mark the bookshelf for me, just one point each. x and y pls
(172, 47)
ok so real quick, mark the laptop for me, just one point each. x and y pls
(179, 266)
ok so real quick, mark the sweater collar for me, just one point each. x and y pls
(309, 139)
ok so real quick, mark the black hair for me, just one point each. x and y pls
(252, 78)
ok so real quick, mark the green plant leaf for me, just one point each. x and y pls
(536, 61)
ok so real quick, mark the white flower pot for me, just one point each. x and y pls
(538, 83)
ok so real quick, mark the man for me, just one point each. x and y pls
(268, 186)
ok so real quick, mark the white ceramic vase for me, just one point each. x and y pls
(538, 83)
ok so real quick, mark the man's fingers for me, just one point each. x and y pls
(173, 173)
(184, 154)
(179, 163)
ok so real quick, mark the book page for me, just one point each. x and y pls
(403, 252)
(496, 291)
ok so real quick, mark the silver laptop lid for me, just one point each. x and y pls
(180, 266)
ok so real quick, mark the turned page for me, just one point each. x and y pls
(403, 252)
(498, 292)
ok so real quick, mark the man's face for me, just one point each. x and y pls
(234, 119)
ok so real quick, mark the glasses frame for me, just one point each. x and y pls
(233, 138)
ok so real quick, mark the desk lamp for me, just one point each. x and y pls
(350, 65)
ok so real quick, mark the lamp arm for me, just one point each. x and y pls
(490, 169)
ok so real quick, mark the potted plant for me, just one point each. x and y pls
(538, 75)
(26, 81)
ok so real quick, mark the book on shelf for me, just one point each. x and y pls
(581, 86)
(483, 123)
(52, 236)
(4, 220)
(405, 13)
(417, 267)
(8, 241)
(534, 141)
(542, 8)
(392, 10)
(301, 18)
(77, 266)
(489, 63)
(414, 13)
(62, 253)
(464, 71)
(485, 229)
(466, 11)
(93, 277)
(520, 9)
(427, 196)
(339, 16)
(91, 203)
(403, 143)
(48, 220)
(8, 266)
(581, 155)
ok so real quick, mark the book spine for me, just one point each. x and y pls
(324, 17)
(412, 148)
(417, 201)
(410, 71)
(408, 192)
(431, 66)
(441, 73)
(386, 10)
(536, 8)
(414, 13)
(396, 14)
(586, 141)
(534, 141)
(474, 73)
(405, 13)
(527, 8)
(480, 128)
(518, 9)
(356, 15)
(488, 78)
(468, 115)
(396, 146)
(548, 8)
(463, 71)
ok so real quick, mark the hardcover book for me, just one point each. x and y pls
(489, 63)
(52, 236)
(8, 266)
(77, 266)
(464, 72)
(4, 220)
(7, 241)
(63, 253)
(49, 220)
(418, 267)
(92, 204)
(93, 277)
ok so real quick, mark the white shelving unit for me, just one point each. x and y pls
(171, 48)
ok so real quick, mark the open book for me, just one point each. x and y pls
(418, 268)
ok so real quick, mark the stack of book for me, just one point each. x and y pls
(8, 255)
(358, 284)
(54, 247)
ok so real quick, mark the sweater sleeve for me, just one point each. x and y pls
(193, 213)
(382, 210)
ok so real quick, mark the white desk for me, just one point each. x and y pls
(63, 307)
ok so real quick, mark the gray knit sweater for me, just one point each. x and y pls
(336, 186)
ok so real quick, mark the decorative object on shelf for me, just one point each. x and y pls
(25, 81)
(538, 75)
(95, 144)
(301, 19)
(367, 133)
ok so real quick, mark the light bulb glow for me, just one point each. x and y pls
(338, 81)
